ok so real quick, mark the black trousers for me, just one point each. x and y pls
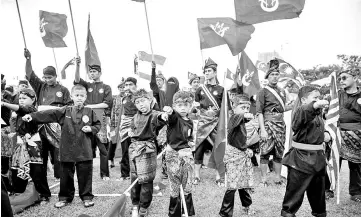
(176, 209)
(297, 184)
(142, 194)
(84, 172)
(124, 162)
(228, 201)
(201, 149)
(5, 167)
(38, 175)
(48, 148)
(103, 151)
(354, 187)
(111, 151)
(6, 210)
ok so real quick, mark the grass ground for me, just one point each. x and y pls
(207, 199)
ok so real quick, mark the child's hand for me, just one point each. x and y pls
(130, 133)
(321, 104)
(196, 104)
(86, 129)
(248, 116)
(168, 110)
(327, 137)
(164, 116)
(27, 118)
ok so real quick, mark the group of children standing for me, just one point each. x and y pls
(80, 123)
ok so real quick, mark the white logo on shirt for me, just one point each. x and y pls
(85, 119)
(90, 90)
(359, 101)
(59, 94)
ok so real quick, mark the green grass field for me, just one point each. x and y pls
(207, 198)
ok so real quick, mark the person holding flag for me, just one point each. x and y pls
(350, 123)
(237, 158)
(306, 160)
(270, 108)
(209, 98)
(50, 93)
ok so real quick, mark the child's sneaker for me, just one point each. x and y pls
(88, 203)
(61, 204)
(135, 211)
(143, 212)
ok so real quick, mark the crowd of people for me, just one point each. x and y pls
(44, 119)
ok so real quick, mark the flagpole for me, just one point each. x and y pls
(56, 64)
(150, 39)
(72, 21)
(226, 119)
(21, 23)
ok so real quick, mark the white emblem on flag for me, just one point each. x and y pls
(90, 90)
(42, 29)
(219, 28)
(85, 119)
(273, 6)
(101, 91)
(59, 94)
(247, 78)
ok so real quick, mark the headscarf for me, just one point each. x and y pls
(49, 70)
(172, 86)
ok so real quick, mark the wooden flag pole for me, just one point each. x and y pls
(21, 23)
(72, 21)
(183, 201)
(150, 39)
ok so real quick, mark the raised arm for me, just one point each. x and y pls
(63, 74)
(77, 72)
(34, 80)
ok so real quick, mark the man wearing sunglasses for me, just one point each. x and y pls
(350, 124)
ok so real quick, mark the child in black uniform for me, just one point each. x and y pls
(178, 154)
(78, 125)
(306, 159)
(27, 161)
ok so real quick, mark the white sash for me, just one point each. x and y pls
(276, 95)
(210, 97)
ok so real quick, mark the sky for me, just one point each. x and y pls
(324, 29)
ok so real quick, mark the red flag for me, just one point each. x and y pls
(216, 158)
(249, 75)
(53, 29)
(158, 59)
(91, 53)
(229, 75)
(219, 31)
(288, 72)
(332, 118)
(258, 11)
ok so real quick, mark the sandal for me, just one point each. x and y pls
(61, 204)
(280, 182)
(356, 198)
(248, 211)
(196, 181)
(88, 203)
(264, 183)
(220, 183)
